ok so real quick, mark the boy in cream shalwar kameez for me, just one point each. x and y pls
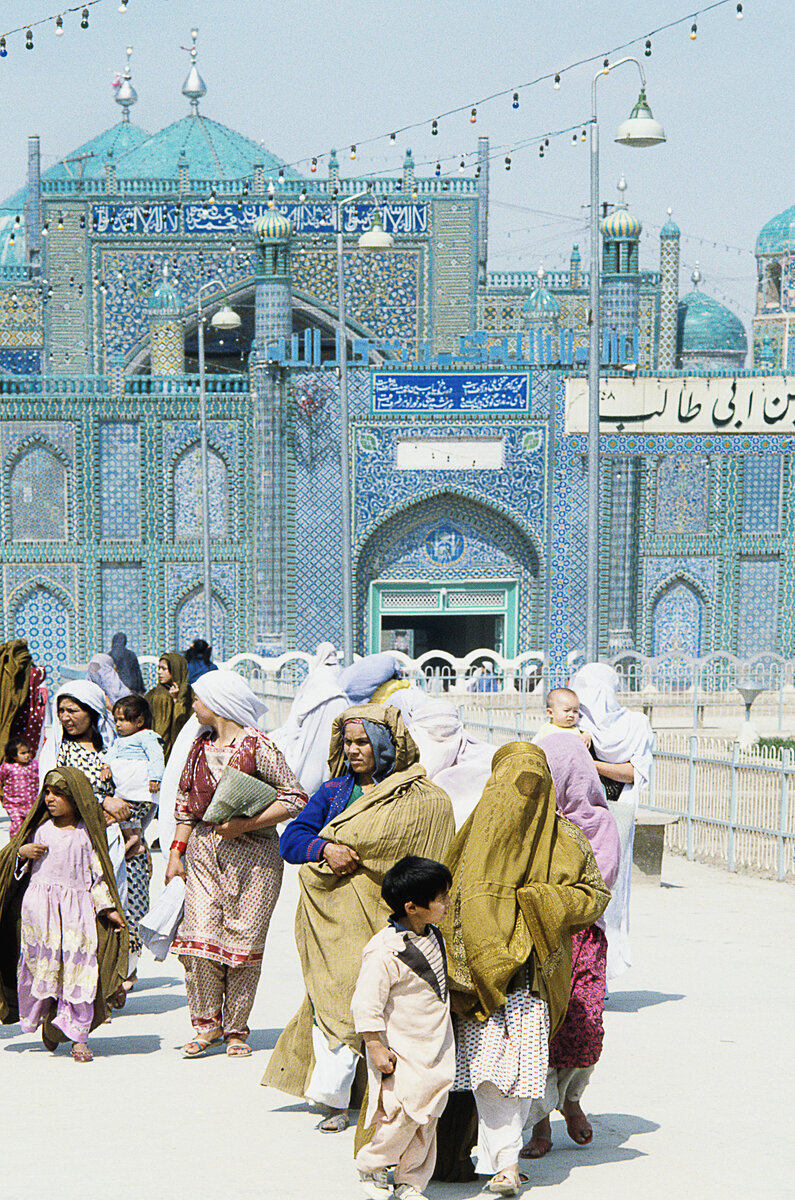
(401, 1007)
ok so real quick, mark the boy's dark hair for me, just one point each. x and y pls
(132, 707)
(12, 749)
(414, 879)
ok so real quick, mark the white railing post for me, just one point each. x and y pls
(786, 755)
(691, 797)
(733, 804)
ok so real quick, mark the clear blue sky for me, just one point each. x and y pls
(303, 77)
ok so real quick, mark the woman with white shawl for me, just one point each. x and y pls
(82, 728)
(623, 745)
(305, 736)
(232, 875)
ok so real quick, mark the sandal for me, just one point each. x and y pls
(198, 1046)
(81, 1052)
(119, 997)
(506, 1183)
(333, 1124)
(578, 1128)
(237, 1050)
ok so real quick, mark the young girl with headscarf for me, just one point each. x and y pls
(232, 878)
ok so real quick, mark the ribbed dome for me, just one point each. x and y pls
(273, 226)
(778, 234)
(165, 300)
(541, 302)
(670, 229)
(621, 224)
(705, 326)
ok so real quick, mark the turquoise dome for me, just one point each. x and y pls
(670, 229)
(704, 326)
(213, 152)
(621, 224)
(165, 300)
(541, 303)
(272, 226)
(778, 234)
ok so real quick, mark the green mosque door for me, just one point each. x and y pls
(463, 615)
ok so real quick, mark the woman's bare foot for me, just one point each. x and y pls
(81, 1052)
(541, 1141)
(577, 1124)
(334, 1122)
(237, 1047)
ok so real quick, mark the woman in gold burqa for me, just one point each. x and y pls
(524, 880)
(378, 806)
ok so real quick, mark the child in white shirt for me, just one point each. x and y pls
(563, 713)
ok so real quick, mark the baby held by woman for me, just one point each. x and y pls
(563, 712)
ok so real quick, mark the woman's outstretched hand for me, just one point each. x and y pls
(176, 867)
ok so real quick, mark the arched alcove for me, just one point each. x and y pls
(37, 490)
(189, 622)
(187, 494)
(677, 622)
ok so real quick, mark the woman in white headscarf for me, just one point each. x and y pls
(305, 735)
(232, 878)
(81, 729)
(623, 745)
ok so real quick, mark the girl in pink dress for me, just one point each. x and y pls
(58, 970)
(19, 777)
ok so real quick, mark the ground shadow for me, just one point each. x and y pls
(264, 1039)
(155, 982)
(105, 1047)
(635, 1001)
(672, 886)
(140, 1004)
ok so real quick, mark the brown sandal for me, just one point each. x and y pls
(49, 1043)
(81, 1052)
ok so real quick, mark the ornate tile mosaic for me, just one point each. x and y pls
(38, 496)
(677, 621)
(758, 605)
(761, 511)
(682, 494)
(123, 604)
(120, 479)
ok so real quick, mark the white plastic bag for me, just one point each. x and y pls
(158, 927)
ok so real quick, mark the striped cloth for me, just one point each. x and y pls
(430, 947)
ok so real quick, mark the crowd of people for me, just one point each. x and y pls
(461, 907)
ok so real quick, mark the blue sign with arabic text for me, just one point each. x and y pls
(484, 391)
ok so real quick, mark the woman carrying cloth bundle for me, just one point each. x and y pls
(524, 880)
(232, 876)
(171, 700)
(378, 806)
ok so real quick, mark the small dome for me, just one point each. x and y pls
(541, 302)
(670, 229)
(621, 224)
(778, 234)
(705, 326)
(165, 300)
(273, 226)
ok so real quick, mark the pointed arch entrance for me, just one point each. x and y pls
(449, 573)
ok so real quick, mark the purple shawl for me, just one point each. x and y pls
(581, 798)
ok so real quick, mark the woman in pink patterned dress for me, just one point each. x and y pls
(232, 879)
(19, 777)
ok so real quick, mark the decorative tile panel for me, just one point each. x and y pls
(123, 604)
(761, 493)
(758, 605)
(682, 494)
(120, 479)
(38, 496)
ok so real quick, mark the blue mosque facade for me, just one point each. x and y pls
(466, 399)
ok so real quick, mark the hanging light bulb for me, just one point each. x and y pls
(515, 101)
(438, 169)
(84, 19)
(606, 66)
(556, 84)
(434, 122)
(739, 12)
(546, 141)
(59, 26)
(12, 239)
(392, 138)
(647, 51)
(583, 136)
(59, 226)
(123, 6)
(213, 197)
(353, 151)
(473, 116)
(29, 39)
(574, 138)
(281, 172)
(45, 228)
(245, 185)
(541, 150)
(693, 32)
(462, 165)
(313, 167)
(303, 192)
(507, 162)
(3, 51)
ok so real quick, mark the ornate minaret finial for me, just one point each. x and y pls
(126, 94)
(194, 86)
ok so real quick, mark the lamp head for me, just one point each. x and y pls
(226, 319)
(640, 129)
(376, 237)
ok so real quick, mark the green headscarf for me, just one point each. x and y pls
(170, 713)
(112, 943)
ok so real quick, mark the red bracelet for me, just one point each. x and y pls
(181, 846)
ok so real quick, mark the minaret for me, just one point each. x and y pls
(669, 294)
(166, 330)
(541, 316)
(273, 319)
(620, 271)
(194, 86)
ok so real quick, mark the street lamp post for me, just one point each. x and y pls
(225, 318)
(639, 130)
(374, 239)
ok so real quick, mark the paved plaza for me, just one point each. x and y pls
(690, 1097)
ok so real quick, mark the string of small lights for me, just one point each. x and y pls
(55, 19)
